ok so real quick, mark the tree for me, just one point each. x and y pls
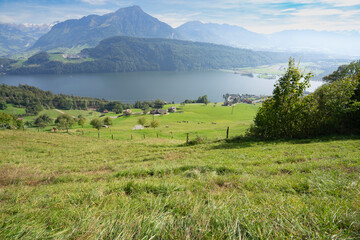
(96, 123)
(154, 124)
(33, 109)
(42, 121)
(3, 104)
(64, 121)
(145, 108)
(117, 109)
(108, 121)
(282, 116)
(203, 99)
(142, 121)
(158, 103)
(81, 122)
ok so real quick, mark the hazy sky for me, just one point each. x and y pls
(263, 16)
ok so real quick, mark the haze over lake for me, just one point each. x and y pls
(143, 86)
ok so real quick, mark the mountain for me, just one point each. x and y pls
(90, 30)
(16, 38)
(221, 34)
(128, 54)
(309, 41)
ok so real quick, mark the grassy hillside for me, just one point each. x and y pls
(73, 186)
(63, 186)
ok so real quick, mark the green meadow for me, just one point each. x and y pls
(199, 120)
(74, 186)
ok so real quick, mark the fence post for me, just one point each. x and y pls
(98, 134)
(187, 137)
(227, 132)
(112, 136)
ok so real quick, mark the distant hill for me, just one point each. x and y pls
(308, 41)
(90, 30)
(128, 54)
(16, 38)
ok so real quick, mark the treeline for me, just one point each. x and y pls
(128, 54)
(201, 99)
(334, 108)
(35, 100)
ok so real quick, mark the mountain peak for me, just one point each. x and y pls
(134, 8)
(90, 30)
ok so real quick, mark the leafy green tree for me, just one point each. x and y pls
(10, 121)
(158, 103)
(65, 121)
(81, 122)
(142, 121)
(203, 99)
(3, 104)
(282, 115)
(118, 109)
(33, 109)
(42, 121)
(96, 123)
(336, 108)
(145, 108)
(108, 121)
(154, 124)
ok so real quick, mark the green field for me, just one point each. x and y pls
(207, 121)
(73, 186)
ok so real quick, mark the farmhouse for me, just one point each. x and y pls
(231, 99)
(172, 109)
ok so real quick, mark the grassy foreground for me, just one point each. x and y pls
(61, 186)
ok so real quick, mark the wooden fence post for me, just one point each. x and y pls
(227, 132)
(187, 137)
(112, 136)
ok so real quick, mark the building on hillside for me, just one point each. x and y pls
(172, 109)
(158, 111)
(231, 99)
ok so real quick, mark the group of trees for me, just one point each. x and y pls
(201, 99)
(334, 108)
(154, 124)
(9, 121)
(35, 100)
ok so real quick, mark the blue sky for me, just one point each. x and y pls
(264, 16)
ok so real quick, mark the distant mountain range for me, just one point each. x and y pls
(132, 21)
(16, 38)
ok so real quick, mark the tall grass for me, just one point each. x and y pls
(60, 186)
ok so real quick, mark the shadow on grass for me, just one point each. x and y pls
(244, 142)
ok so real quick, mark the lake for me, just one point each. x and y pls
(141, 86)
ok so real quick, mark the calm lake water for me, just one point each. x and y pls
(140, 86)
